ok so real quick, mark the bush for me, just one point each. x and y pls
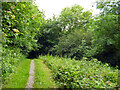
(81, 74)
(74, 45)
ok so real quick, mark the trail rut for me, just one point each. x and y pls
(31, 75)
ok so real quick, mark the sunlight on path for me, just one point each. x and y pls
(31, 76)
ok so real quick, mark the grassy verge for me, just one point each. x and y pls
(20, 77)
(43, 76)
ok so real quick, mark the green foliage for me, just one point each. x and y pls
(10, 59)
(109, 6)
(55, 30)
(81, 74)
(73, 34)
(48, 35)
(106, 33)
(108, 24)
(74, 44)
(74, 17)
(20, 23)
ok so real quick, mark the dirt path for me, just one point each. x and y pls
(31, 75)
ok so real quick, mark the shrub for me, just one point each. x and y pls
(74, 45)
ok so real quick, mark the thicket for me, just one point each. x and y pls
(10, 59)
(74, 45)
(70, 21)
(48, 36)
(20, 23)
(76, 33)
(106, 30)
(71, 73)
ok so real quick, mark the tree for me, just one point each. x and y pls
(51, 31)
(105, 43)
(74, 44)
(47, 36)
(74, 18)
(20, 23)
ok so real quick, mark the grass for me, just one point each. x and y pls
(20, 77)
(43, 76)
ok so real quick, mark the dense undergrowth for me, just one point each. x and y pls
(10, 59)
(81, 74)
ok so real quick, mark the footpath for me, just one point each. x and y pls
(31, 75)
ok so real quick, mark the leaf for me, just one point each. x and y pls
(23, 5)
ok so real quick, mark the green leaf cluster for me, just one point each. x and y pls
(74, 45)
(20, 23)
(48, 36)
(106, 33)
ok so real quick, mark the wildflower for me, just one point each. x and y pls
(13, 10)
(12, 7)
(9, 12)
(13, 16)
(33, 16)
(16, 30)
